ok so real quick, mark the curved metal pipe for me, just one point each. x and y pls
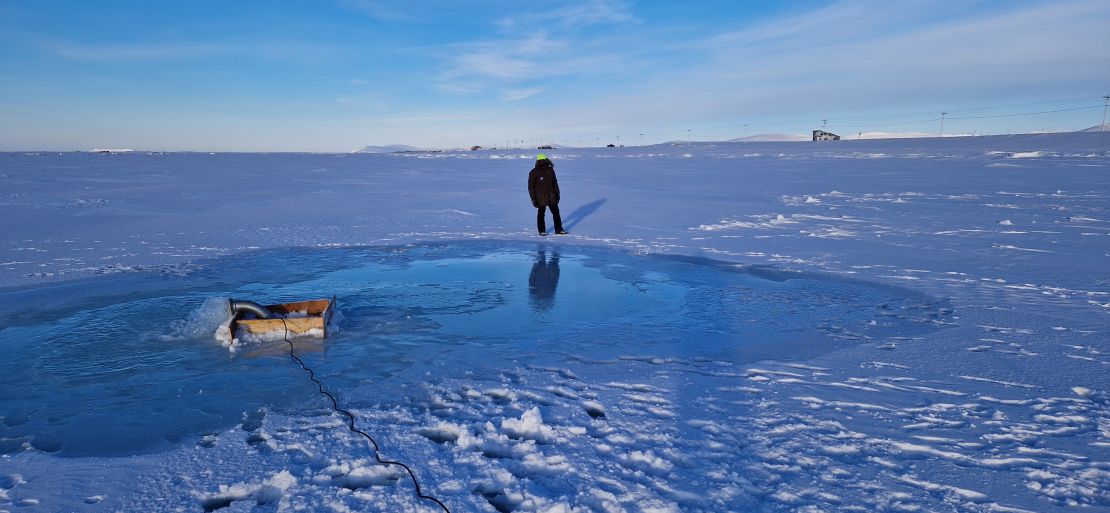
(238, 306)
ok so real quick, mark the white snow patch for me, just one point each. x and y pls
(529, 426)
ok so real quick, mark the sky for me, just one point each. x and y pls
(334, 76)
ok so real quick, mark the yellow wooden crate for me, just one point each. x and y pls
(316, 313)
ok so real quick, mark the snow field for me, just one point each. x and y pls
(1003, 408)
(525, 440)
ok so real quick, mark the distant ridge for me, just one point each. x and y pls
(1098, 128)
(392, 148)
(770, 138)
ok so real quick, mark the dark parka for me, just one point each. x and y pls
(543, 187)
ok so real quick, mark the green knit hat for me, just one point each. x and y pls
(541, 157)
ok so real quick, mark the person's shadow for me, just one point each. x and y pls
(542, 281)
(581, 213)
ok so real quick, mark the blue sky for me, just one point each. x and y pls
(338, 75)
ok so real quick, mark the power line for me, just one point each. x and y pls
(871, 125)
(1078, 99)
(1105, 104)
(726, 129)
(1028, 113)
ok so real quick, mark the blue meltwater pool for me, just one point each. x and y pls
(127, 363)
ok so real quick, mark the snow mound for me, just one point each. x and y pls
(265, 493)
(529, 426)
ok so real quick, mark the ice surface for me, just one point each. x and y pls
(911, 325)
(133, 363)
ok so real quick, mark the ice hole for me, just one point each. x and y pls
(127, 364)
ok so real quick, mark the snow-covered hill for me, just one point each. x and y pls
(391, 148)
(770, 138)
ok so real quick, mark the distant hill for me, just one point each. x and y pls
(1098, 128)
(392, 148)
(770, 138)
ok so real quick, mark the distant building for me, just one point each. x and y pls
(821, 135)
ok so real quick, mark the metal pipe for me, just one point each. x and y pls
(238, 306)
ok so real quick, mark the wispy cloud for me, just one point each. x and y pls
(527, 51)
(895, 46)
(426, 119)
(574, 16)
(828, 63)
(155, 52)
(373, 100)
(382, 10)
(149, 52)
(838, 60)
(513, 95)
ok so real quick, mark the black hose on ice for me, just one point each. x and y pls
(351, 423)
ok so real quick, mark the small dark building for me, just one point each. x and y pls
(821, 135)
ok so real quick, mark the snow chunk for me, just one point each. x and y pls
(530, 426)
(373, 475)
(268, 492)
(659, 506)
(9, 481)
(538, 464)
(594, 409)
(441, 433)
(274, 488)
(963, 493)
(646, 461)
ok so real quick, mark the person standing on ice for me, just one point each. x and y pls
(543, 187)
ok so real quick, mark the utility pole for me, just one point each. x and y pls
(942, 114)
(641, 139)
(618, 141)
(745, 133)
(689, 139)
(1105, 103)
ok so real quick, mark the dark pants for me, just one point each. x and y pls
(541, 224)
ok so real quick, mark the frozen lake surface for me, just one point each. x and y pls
(116, 376)
(900, 325)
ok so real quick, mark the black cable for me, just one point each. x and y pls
(351, 423)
